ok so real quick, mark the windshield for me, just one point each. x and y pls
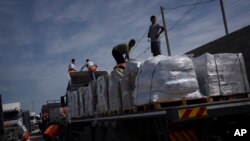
(32, 118)
(7, 116)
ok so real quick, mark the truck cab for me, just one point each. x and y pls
(34, 121)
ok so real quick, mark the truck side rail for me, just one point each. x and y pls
(183, 113)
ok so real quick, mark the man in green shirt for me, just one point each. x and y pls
(121, 49)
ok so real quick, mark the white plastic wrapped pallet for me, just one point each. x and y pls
(163, 78)
(78, 107)
(86, 101)
(102, 95)
(115, 90)
(132, 67)
(90, 99)
(127, 99)
(221, 74)
(73, 104)
(82, 101)
(128, 83)
(69, 101)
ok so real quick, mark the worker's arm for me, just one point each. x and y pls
(149, 32)
(82, 68)
(127, 56)
(162, 29)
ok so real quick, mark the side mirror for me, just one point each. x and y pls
(63, 101)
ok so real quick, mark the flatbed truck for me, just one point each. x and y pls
(216, 118)
(203, 119)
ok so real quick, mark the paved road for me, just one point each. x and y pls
(36, 136)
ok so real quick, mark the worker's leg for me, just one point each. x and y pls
(120, 60)
(156, 48)
(118, 57)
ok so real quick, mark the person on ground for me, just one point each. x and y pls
(120, 50)
(51, 132)
(72, 67)
(91, 67)
(23, 134)
(63, 123)
(155, 30)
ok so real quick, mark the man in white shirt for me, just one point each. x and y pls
(91, 67)
(72, 66)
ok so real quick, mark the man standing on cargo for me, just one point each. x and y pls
(91, 67)
(121, 49)
(154, 33)
(72, 67)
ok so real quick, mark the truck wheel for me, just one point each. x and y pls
(100, 134)
(112, 135)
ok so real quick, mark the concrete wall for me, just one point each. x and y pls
(236, 42)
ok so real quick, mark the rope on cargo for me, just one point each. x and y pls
(142, 52)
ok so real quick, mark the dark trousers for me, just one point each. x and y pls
(118, 57)
(156, 48)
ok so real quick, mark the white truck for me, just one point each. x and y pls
(34, 121)
(12, 113)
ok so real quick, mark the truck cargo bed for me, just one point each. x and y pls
(183, 112)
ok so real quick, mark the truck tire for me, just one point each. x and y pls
(100, 134)
(112, 135)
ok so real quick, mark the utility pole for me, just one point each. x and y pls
(224, 16)
(165, 31)
(32, 102)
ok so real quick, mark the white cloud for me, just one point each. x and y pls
(80, 40)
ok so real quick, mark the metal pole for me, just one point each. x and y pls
(165, 31)
(32, 102)
(224, 16)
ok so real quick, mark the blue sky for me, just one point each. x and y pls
(39, 37)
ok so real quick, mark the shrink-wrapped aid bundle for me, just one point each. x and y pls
(77, 102)
(126, 92)
(73, 104)
(221, 74)
(132, 67)
(83, 91)
(205, 68)
(128, 83)
(115, 90)
(163, 78)
(90, 99)
(86, 102)
(70, 103)
(102, 95)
